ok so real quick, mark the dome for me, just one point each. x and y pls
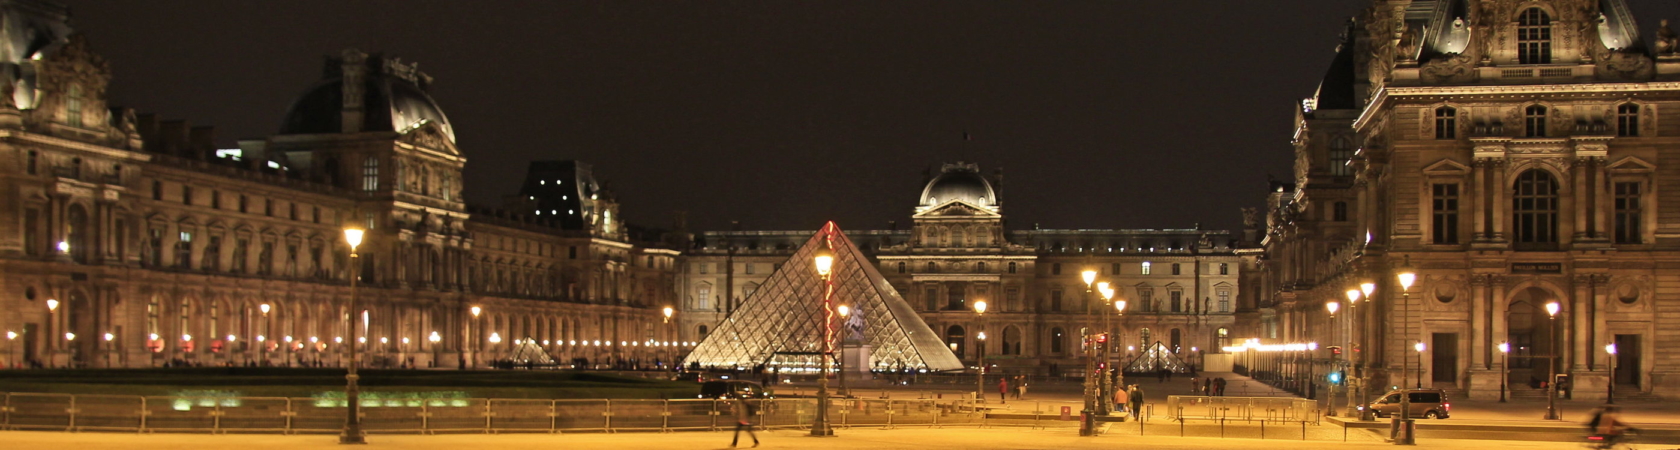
(393, 99)
(959, 182)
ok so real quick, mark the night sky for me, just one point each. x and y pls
(1103, 114)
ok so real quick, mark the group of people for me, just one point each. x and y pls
(1019, 384)
(1208, 387)
(1128, 401)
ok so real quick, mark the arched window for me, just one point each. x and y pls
(703, 330)
(901, 267)
(931, 267)
(1534, 208)
(1011, 340)
(1011, 267)
(1534, 121)
(1339, 212)
(1056, 268)
(954, 338)
(1144, 268)
(1341, 150)
(1627, 120)
(980, 267)
(1534, 37)
(1446, 123)
(370, 174)
(1056, 340)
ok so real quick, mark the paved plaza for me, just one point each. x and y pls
(947, 438)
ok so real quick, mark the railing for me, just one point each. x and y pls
(70, 412)
(1273, 409)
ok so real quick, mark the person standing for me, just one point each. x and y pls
(1136, 396)
(1003, 390)
(1121, 401)
(744, 410)
(1021, 387)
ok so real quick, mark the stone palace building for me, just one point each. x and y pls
(1514, 154)
(129, 241)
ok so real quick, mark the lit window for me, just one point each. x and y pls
(1145, 268)
(1534, 37)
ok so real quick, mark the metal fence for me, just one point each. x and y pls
(1270, 409)
(70, 412)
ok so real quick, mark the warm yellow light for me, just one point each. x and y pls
(1418, 346)
(668, 311)
(476, 310)
(1120, 305)
(1090, 276)
(495, 338)
(52, 305)
(1367, 288)
(12, 335)
(980, 307)
(69, 336)
(1552, 308)
(434, 337)
(1610, 348)
(982, 336)
(1407, 277)
(1504, 347)
(1352, 295)
(1333, 307)
(824, 260)
(353, 236)
(264, 307)
(109, 337)
(843, 310)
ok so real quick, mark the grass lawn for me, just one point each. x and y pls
(288, 382)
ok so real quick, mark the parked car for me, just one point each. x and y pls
(1426, 403)
(739, 388)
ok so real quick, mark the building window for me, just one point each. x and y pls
(1535, 208)
(956, 297)
(1338, 212)
(1534, 124)
(370, 174)
(1056, 269)
(980, 267)
(1224, 269)
(186, 195)
(1224, 300)
(1175, 269)
(1147, 297)
(34, 159)
(32, 232)
(73, 105)
(291, 210)
(1627, 213)
(1056, 338)
(901, 267)
(1114, 269)
(75, 230)
(1177, 300)
(1012, 299)
(183, 250)
(1144, 268)
(244, 203)
(931, 268)
(1056, 300)
(1446, 123)
(268, 207)
(1011, 267)
(703, 297)
(1534, 37)
(265, 259)
(1341, 151)
(241, 249)
(1627, 120)
(571, 253)
(215, 199)
(931, 296)
(157, 190)
(315, 214)
(155, 246)
(749, 267)
(1445, 204)
(213, 254)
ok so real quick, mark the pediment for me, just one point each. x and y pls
(1446, 167)
(1632, 164)
(430, 135)
(957, 208)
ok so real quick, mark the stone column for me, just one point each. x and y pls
(1477, 190)
(1499, 193)
(1579, 205)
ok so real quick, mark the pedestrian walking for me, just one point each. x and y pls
(744, 411)
(1003, 390)
(1121, 401)
(1021, 387)
(1136, 396)
(1219, 387)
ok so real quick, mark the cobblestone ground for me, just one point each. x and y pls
(948, 438)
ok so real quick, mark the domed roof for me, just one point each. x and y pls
(393, 99)
(959, 182)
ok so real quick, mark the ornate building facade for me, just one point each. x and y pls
(1511, 153)
(1181, 285)
(133, 242)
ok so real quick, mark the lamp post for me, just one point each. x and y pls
(52, 324)
(845, 313)
(1087, 417)
(1406, 277)
(1610, 386)
(261, 337)
(352, 407)
(1120, 310)
(1504, 368)
(824, 260)
(670, 333)
(1105, 384)
(1330, 399)
(434, 338)
(1551, 362)
(469, 341)
(980, 352)
(1362, 378)
(108, 338)
(70, 341)
(1419, 346)
(11, 351)
(1353, 295)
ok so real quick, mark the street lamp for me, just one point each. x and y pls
(1406, 277)
(265, 327)
(670, 332)
(1087, 417)
(845, 312)
(1333, 306)
(1419, 346)
(11, 353)
(353, 409)
(52, 323)
(1504, 368)
(1120, 372)
(1360, 378)
(1551, 362)
(824, 261)
(1610, 386)
(1105, 386)
(108, 338)
(474, 329)
(980, 352)
(434, 338)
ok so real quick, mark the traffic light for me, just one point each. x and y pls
(1335, 349)
(1102, 338)
(1336, 377)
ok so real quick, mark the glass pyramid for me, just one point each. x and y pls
(528, 352)
(1157, 357)
(782, 324)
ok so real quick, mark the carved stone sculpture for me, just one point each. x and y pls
(1667, 41)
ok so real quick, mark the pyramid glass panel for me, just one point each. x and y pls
(784, 323)
(1157, 357)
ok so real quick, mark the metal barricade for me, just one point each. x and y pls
(697, 414)
(916, 412)
(628, 415)
(786, 413)
(521, 415)
(454, 415)
(582, 415)
(181, 413)
(393, 415)
(109, 412)
(255, 414)
(40, 411)
(318, 415)
(875, 413)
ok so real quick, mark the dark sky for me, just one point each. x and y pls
(1103, 114)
